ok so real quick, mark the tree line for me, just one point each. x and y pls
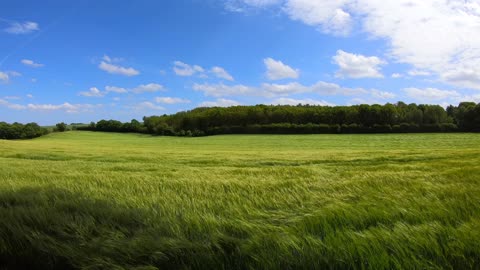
(304, 119)
(21, 131)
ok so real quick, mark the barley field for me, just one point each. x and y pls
(85, 200)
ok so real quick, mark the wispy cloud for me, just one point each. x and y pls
(309, 101)
(21, 27)
(31, 63)
(221, 73)
(151, 87)
(143, 88)
(183, 69)
(108, 65)
(221, 102)
(92, 92)
(171, 100)
(4, 77)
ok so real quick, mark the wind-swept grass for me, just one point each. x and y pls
(123, 201)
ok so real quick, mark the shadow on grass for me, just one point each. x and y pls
(50, 228)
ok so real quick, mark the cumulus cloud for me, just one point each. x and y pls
(430, 94)
(66, 107)
(221, 102)
(147, 106)
(13, 106)
(277, 90)
(357, 66)
(92, 92)
(31, 63)
(171, 100)
(108, 65)
(95, 92)
(330, 16)
(382, 94)
(22, 27)
(463, 77)
(221, 73)
(218, 90)
(416, 72)
(291, 101)
(151, 87)
(182, 69)
(277, 70)
(115, 89)
(436, 36)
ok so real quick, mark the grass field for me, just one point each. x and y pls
(113, 201)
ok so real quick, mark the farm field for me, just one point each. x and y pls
(127, 201)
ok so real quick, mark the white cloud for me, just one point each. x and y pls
(430, 94)
(416, 72)
(29, 95)
(437, 36)
(291, 101)
(273, 90)
(382, 94)
(357, 66)
(108, 66)
(14, 73)
(218, 90)
(92, 92)
(276, 70)
(182, 69)
(221, 102)
(4, 76)
(67, 107)
(464, 77)
(329, 16)
(11, 98)
(114, 69)
(109, 59)
(396, 75)
(222, 73)
(31, 63)
(95, 92)
(171, 100)
(22, 27)
(12, 106)
(115, 89)
(148, 106)
(151, 87)
(321, 88)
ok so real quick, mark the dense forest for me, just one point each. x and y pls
(20, 131)
(304, 119)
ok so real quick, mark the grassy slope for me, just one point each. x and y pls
(82, 199)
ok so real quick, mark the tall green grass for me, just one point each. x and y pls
(122, 201)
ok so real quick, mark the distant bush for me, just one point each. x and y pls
(61, 127)
(20, 131)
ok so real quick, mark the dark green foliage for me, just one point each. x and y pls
(61, 127)
(115, 126)
(20, 131)
(304, 119)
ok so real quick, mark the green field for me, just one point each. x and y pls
(114, 201)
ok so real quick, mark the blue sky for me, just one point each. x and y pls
(88, 60)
